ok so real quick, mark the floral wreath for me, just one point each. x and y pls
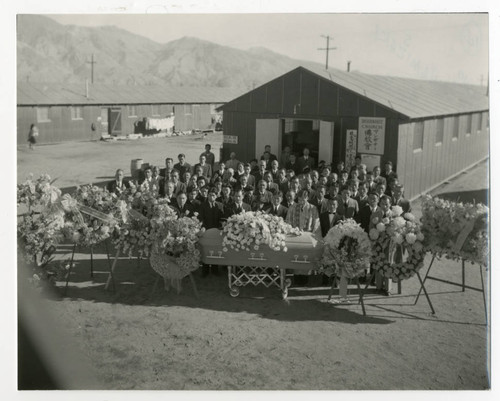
(347, 250)
(392, 237)
(447, 223)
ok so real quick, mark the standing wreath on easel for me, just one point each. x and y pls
(398, 252)
(347, 250)
(456, 230)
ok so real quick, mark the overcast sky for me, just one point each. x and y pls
(451, 47)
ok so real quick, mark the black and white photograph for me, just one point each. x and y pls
(282, 197)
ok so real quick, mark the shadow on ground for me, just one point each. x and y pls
(137, 284)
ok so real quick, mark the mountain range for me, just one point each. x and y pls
(48, 51)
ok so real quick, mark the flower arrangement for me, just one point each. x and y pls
(456, 230)
(37, 233)
(39, 229)
(248, 231)
(133, 238)
(137, 233)
(392, 237)
(347, 250)
(40, 192)
(100, 218)
(174, 251)
(141, 200)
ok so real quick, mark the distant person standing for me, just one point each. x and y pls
(305, 161)
(209, 155)
(232, 162)
(32, 136)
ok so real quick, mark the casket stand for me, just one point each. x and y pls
(263, 266)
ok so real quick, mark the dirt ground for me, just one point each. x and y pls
(137, 338)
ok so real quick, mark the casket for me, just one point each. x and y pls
(304, 251)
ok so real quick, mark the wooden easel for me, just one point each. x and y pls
(179, 288)
(360, 291)
(91, 265)
(462, 284)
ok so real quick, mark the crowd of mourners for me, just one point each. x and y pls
(313, 197)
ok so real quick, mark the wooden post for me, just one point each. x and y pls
(109, 265)
(193, 283)
(484, 294)
(110, 277)
(360, 291)
(425, 278)
(69, 270)
(425, 292)
(343, 287)
(463, 275)
(91, 261)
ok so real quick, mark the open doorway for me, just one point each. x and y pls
(300, 134)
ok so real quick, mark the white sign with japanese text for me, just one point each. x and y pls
(371, 135)
(230, 139)
(350, 148)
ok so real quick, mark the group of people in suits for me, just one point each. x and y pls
(312, 197)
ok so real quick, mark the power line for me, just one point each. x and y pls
(92, 68)
(327, 48)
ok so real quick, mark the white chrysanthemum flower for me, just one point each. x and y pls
(380, 227)
(399, 222)
(411, 238)
(397, 210)
(374, 234)
(398, 239)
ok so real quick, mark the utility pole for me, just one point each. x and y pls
(92, 68)
(327, 48)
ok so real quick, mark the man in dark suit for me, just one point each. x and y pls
(388, 173)
(271, 185)
(118, 185)
(169, 166)
(362, 196)
(225, 196)
(328, 216)
(271, 157)
(290, 199)
(182, 166)
(377, 178)
(179, 186)
(262, 198)
(211, 216)
(237, 205)
(370, 184)
(319, 199)
(348, 207)
(399, 200)
(277, 209)
(366, 211)
(293, 164)
(211, 212)
(182, 207)
(282, 181)
(305, 161)
(193, 202)
(274, 170)
(262, 171)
